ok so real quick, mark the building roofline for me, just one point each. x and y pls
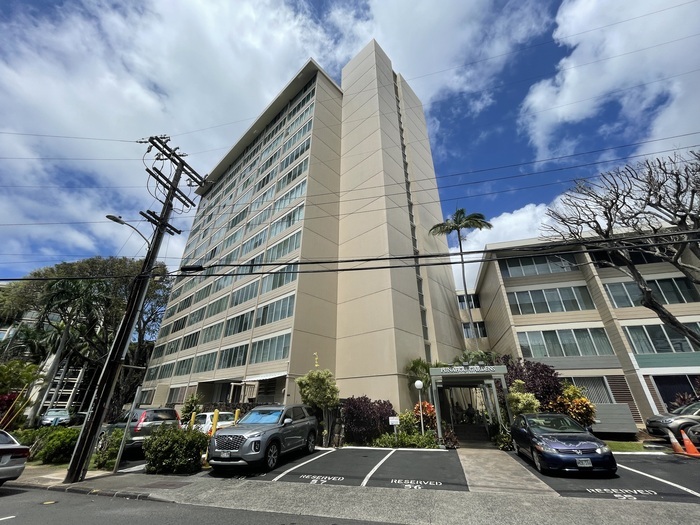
(278, 103)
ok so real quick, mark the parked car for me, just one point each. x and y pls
(55, 417)
(13, 457)
(143, 421)
(262, 435)
(555, 442)
(681, 418)
(694, 434)
(203, 420)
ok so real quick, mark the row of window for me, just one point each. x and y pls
(540, 265)
(565, 343)
(261, 351)
(568, 299)
(659, 339)
(667, 291)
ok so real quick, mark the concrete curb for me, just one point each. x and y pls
(78, 489)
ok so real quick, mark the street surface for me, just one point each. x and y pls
(30, 506)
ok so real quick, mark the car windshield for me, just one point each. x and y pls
(545, 423)
(226, 416)
(268, 416)
(56, 412)
(687, 409)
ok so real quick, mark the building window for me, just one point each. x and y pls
(172, 346)
(245, 294)
(152, 373)
(271, 349)
(296, 192)
(540, 265)
(659, 339)
(179, 324)
(283, 248)
(239, 324)
(286, 275)
(184, 304)
(166, 371)
(565, 343)
(147, 397)
(205, 362)
(190, 340)
(184, 367)
(196, 316)
(212, 333)
(666, 291)
(234, 356)
(176, 395)
(479, 327)
(158, 351)
(276, 311)
(217, 306)
(569, 299)
(473, 301)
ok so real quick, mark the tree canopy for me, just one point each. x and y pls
(649, 208)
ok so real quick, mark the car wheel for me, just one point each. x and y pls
(537, 459)
(311, 442)
(272, 456)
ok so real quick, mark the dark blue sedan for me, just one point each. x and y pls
(555, 442)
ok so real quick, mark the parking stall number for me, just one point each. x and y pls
(415, 483)
(320, 480)
(624, 493)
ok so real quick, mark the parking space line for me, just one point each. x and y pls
(364, 481)
(302, 464)
(661, 480)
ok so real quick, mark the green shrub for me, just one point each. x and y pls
(108, 449)
(365, 420)
(27, 437)
(521, 402)
(503, 440)
(409, 423)
(57, 446)
(403, 440)
(171, 450)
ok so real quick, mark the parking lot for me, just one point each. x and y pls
(641, 477)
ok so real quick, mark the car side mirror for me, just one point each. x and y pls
(287, 421)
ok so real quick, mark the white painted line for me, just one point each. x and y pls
(7, 518)
(364, 481)
(689, 491)
(302, 464)
(353, 447)
(640, 453)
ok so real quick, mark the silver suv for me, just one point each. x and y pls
(262, 435)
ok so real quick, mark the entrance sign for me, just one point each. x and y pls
(468, 370)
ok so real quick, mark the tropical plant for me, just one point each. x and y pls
(458, 222)
(365, 420)
(171, 450)
(317, 388)
(540, 379)
(574, 404)
(475, 357)
(404, 440)
(520, 401)
(192, 405)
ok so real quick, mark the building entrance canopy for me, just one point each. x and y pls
(483, 376)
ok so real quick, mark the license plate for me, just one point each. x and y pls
(227, 454)
(583, 462)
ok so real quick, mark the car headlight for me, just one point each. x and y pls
(542, 447)
(603, 450)
(255, 435)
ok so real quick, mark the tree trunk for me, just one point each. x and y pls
(472, 328)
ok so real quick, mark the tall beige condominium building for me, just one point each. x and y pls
(326, 178)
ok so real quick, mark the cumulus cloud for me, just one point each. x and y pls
(632, 63)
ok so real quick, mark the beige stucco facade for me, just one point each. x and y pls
(326, 175)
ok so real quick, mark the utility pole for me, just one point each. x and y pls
(115, 358)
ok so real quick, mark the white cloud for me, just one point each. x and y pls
(635, 67)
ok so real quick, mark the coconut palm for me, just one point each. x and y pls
(458, 222)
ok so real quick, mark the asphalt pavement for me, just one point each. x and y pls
(500, 490)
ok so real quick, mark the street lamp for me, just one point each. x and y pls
(119, 220)
(419, 386)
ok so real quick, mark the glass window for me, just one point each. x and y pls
(541, 265)
(538, 302)
(537, 344)
(569, 299)
(617, 293)
(528, 266)
(601, 341)
(524, 344)
(584, 298)
(639, 339)
(688, 290)
(514, 308)
(525, 303)
(679, 342)
(554, 300)
(585, 342)
(514, 268)
(634, 293)
(658, 338)
(568, 342)
(554, 348)
(670, 292)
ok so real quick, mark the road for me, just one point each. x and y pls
(25, 506)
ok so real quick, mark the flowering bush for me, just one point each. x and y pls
(429, 415)
(574, 404)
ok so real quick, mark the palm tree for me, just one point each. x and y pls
(458, 222)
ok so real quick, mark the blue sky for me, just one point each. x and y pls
(521, 97)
